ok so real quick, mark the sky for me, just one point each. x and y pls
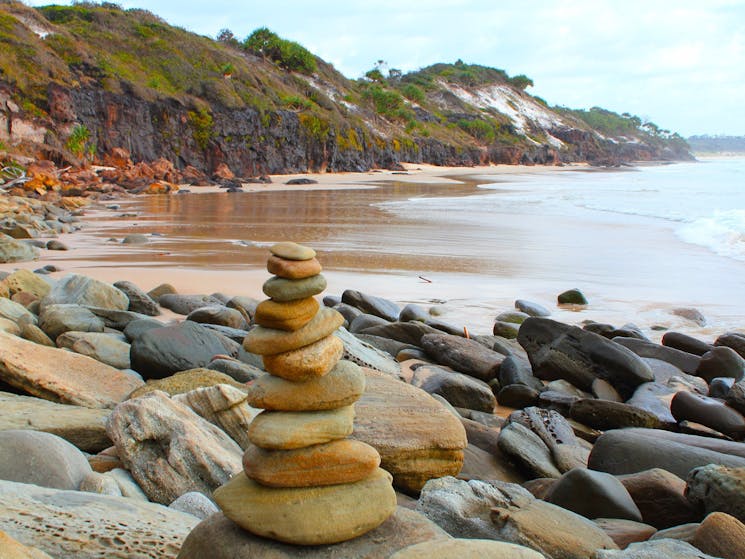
(678, 63)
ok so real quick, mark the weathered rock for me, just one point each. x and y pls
(195, 504)
(101, 347)
(532, 309)
(139, 301)
(736, 396)
(514, 370)
(557, 350)
(127, 484)
(732, 340)
(694, 315)
(285, 430)
(160, 352)
(721, 535)
(82, 290)
(686, 362)
(25, 281)
(292, 251)
(364, 321)
(341, 387)
(135, 239)
(719, 387)
(371, 305)
(62, 376)
(55, 320)
(604, 415)
(99, 483)
(686, 343)
(309, 515)
(655, 549)
(507, 512)
(159, 290)
(405, 332)
(219, 315)
(83, 427)
(42, 459)
(481, 464)
(416, 436)
(412, 311)
(13, 549)
(458, 389)
(710, 412)
(219, 538)
(571, 297)
(12, 250)
(527, 449)
(237, 370)
(718, 488)
(625, 532)
(466, 356)
(268, 341)
(626, 451)
(659, 496)
(186, 381)
(289, 315)
(78, 525)
(222, 405)
(466, 549)
(593, 495)
(184, 304)
(721, 361)
(609, 331)
(517, 396)
(307, 362)
(341, 461)
(366, 355)
(15, 312)
(169, 449)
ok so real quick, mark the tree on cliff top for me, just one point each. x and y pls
(286, 54)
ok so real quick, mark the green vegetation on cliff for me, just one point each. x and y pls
(456, 112)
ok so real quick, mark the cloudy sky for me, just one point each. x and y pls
(678, 63)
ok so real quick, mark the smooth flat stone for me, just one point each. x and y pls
(292, 251)
(340, 387)
(343, 461)
(290, 315)
(281, 289)
(710, 412)
(284, 430)
(293, 269)
(309, 515)
(466, 549)
(268, 341)
(307, 362)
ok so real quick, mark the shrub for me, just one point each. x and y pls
(201, 127)
(287, 54)
(79, 142)
(521, 81)
(413, 93)
(479, 129)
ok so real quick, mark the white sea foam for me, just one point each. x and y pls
(723, 232)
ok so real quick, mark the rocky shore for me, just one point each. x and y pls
(538, 439)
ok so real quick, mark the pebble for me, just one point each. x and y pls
(293, 269)
(292, 251)
(307, 362)
(309, 515)
(289, 316)
(342, 461)
(283, 430)
(342, 386)
(268, 341)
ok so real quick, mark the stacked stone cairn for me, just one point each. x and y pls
(303, 481)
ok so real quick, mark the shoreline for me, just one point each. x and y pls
(477, 311)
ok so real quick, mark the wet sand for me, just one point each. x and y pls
(631, 269)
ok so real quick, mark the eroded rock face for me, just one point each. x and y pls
(62, 376)
(507, 512)
(79, 525)
(656, 549)
(169, 449)
(416, 436)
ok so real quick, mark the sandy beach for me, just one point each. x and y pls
(470, 272)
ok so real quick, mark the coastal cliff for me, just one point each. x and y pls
(80, 81)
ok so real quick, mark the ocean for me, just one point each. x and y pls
(639, 242)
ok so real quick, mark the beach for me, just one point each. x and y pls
(467, 240)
